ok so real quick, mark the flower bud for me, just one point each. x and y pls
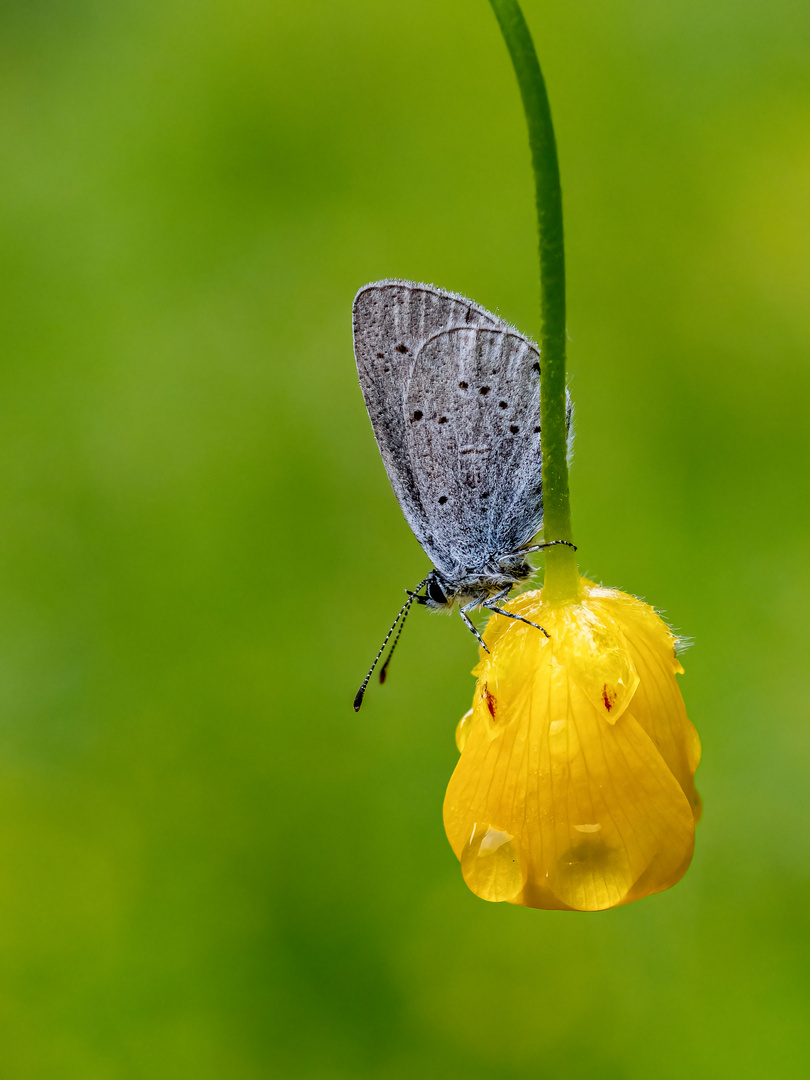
(574, 789)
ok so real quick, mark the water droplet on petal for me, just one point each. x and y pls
(592, 874)
(490, 863)
(463, 729)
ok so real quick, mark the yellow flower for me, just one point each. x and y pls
(575, 787)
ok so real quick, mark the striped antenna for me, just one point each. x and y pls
(399, 620)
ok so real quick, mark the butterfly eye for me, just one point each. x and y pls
(435, 593)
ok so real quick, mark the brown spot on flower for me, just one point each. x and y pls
(492, 701)
(609, 697)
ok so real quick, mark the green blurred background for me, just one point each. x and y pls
(209, 866)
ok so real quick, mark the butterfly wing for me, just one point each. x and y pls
(472, 437)
(393, 320)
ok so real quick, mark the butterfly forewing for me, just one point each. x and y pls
(392, 321)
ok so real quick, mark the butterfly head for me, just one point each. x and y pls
(439, 592)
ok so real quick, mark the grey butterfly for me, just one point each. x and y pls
(453, 395)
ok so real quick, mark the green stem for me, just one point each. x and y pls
(562, 575)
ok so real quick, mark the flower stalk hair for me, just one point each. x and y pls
(575, 785)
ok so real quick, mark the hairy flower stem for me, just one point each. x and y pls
(562, 583)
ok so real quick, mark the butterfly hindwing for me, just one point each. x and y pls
(472, 436)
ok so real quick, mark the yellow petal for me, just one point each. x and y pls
(658, 704)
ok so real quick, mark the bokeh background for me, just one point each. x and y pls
(209, 866)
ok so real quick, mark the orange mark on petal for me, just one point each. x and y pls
(609, 697)
(490, 699)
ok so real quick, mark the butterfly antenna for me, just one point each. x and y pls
(399, 620)
(404, 613)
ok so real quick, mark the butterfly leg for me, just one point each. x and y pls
(537, 547)
(468, 623)
(490, 605)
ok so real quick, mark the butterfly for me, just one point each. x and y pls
(453, 395)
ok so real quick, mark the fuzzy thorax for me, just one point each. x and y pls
(444, 590)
